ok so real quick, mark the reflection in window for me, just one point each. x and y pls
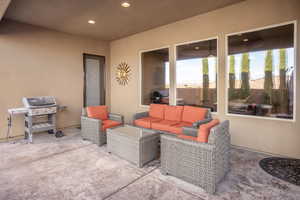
(196, 74)
(261, 73)
(155, 86)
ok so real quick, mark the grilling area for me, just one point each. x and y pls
(39, 116)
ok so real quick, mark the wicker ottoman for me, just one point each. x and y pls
(133, 144)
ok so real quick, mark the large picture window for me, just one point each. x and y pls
(196, 74)
(155, 77)
(261, 72)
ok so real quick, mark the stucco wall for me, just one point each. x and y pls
(3, 6)
(37, 62)
(277, 137)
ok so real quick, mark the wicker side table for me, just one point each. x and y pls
(133, 144)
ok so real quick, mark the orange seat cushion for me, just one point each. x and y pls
(173, 113)
(109, 124)
(192, 114)
(97, 112)
(145, 122)
(157, 110)
(187, 137)
(163, 125)
(204, 130)
(184, 124)
(178, 128)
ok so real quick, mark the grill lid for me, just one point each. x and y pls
(35, 102)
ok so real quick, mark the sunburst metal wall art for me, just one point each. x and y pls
(123, 73)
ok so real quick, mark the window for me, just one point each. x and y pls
(155, 80)
(261, 72)
(196, 74)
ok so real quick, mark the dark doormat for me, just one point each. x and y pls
(286, 169)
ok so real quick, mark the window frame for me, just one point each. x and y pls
(217, 71)
(140, 52)
(294, 22)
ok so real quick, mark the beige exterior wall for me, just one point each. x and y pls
(278, 137)
(37, 62)
(3, 6)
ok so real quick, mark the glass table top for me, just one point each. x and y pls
(133, 132)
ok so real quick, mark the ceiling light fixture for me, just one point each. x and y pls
(125, 4)
(197, 48)
(91, 22)
(246, 40)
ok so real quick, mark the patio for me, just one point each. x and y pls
(70, 168)
(139, 99)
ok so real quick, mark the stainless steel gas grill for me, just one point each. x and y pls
(40, 116)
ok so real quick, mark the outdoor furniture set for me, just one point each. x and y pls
(193, 146)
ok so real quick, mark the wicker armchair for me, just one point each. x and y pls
(91, 129)
(202, 164)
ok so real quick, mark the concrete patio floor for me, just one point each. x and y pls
(70, 168)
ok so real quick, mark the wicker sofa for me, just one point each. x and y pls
(202, 164)
(94, 129)
(173, 119)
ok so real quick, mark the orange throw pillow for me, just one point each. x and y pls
(97, 112)
(204, 130)
(157, 110)
(192, 114)
(173, 113)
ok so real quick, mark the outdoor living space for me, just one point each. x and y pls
(141, 99)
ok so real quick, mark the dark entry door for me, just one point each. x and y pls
(94, 80)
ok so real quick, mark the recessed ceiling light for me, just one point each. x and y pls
(246, 40)
(125, 4)
(91, 22)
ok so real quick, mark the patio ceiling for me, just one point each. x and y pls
(112, 20)
(272, 38)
